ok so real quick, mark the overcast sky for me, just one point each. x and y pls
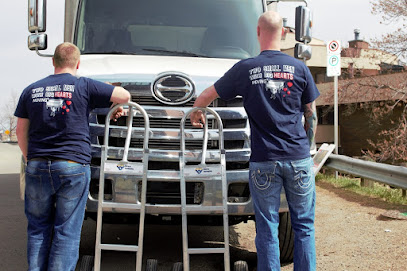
(333, 19)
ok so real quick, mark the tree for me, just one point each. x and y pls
(392, 146)
(7, 119)
(393, 12)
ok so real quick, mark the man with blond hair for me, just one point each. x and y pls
(53, 135)
(277, 90)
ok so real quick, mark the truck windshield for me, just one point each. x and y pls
(193, 28)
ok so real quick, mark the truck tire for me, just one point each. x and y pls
(151, 265)
(87, 263)
(240, 266)
(286, 238)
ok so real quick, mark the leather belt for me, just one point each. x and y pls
(52, 159)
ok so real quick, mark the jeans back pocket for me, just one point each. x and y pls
(303, 174)
(34, 188)
(72, 186)
(263, 175)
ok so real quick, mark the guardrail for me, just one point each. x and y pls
(392, 175)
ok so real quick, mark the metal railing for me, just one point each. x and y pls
(392, 175)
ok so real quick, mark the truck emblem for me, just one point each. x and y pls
(173, 88)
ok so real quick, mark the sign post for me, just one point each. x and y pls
(333, 69)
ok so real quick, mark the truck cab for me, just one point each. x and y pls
(165, 53)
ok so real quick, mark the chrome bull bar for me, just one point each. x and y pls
(123, 167)
(212, 173)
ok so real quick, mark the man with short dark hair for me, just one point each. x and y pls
(277, 91)
(53, 135)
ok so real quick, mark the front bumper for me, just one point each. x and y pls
(125, 189)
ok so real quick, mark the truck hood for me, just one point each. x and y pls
(130, 68)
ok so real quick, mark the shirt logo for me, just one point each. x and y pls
(274, 87)
(55, 97)
(55, 105)
(274, 78)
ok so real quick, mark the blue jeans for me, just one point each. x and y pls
(55, 199)
(298, 180)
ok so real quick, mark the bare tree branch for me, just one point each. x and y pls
(7, 119)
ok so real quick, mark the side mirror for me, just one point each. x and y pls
(302, 51)
(303, 24)
(37, 41)
(37, 15)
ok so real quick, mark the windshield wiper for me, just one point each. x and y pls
(178, 53)
(109, 53)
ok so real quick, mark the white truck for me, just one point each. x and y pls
(166, 52)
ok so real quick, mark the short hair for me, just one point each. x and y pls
(271, 21)
(66, 55)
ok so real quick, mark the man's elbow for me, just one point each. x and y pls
(120, 95)
(126, 97)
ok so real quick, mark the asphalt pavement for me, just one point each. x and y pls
(12, 220)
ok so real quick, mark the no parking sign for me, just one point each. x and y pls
(333, 67)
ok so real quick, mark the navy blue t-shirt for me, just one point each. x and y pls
(58, 108)
(275, 87)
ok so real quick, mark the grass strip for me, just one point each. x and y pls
(378, 190)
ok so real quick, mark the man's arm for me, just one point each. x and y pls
(22, 135)
(120, 96)
(311, 121)
(203, 100)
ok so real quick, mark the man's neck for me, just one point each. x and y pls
(64, 70)
(270, 49)
(272, 45)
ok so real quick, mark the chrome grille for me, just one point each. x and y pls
(160, 123)
(169, 193)
(141, 94)
(151, 101)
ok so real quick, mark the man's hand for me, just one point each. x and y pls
(197, 119)
(117, 113)
(206, 97)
